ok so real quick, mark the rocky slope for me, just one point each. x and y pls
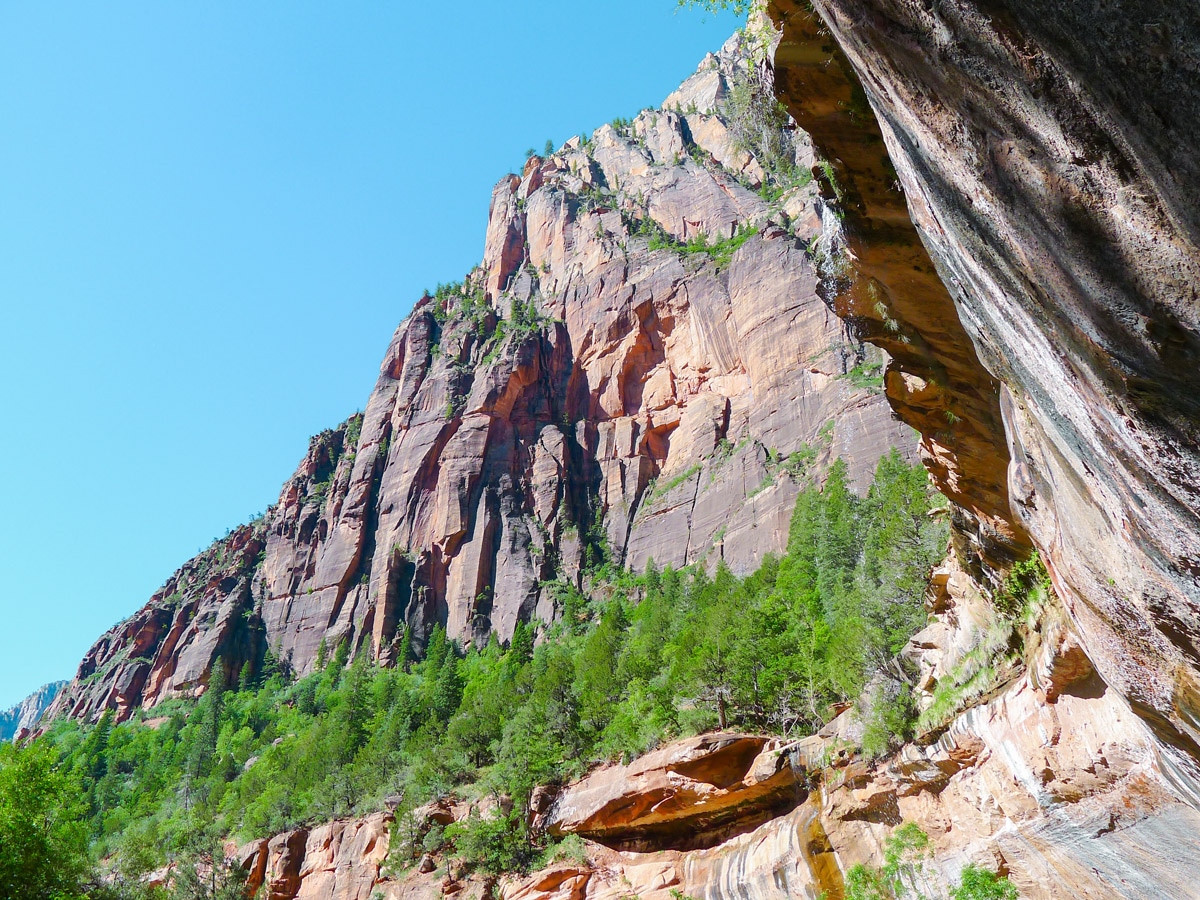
(22, 718)
(1044, 152)
(642, 367)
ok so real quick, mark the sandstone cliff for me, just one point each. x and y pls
(642, 367)
(1044, 153)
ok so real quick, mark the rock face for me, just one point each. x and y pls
(695, 792)
(1010, 211)
(336, 861)
(596, 386)
(22, 718)
(1045, 152)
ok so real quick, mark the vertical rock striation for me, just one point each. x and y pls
(643, 367)
(1045, 153)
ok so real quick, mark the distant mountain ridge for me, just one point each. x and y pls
(23, 717)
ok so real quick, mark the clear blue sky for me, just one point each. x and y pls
(212, 217)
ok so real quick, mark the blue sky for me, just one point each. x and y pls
(212, 217)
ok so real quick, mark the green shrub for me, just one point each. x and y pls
(867, 375)
(43, 841)
(570, 849)
(737, 7)
(902, 876)
(434, 838)
(976, 883)
(759, 124)
(494, 844)
(889, 717)
(720, 251)
(1027, 584)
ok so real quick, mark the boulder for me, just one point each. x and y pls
(691, 793)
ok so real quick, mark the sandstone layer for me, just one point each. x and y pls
(606, 382)
(1044, 151)
(694, 793)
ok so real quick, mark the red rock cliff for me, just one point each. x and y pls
(1045, 152)
(592, 383)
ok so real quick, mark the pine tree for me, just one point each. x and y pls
(520, 648)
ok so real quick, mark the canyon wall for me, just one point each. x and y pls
(1044, 152)
(643, 367)
(1006, 204)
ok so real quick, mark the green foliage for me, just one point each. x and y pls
(776, 649)
(737, 7)
(570, 849)
(657, 489)
(903, 874)
(830, 175)
(995, 649)
(353, 432)
(203, 872)
(976, 883)
(318, 491)
(720, 250)
(888, 717)
(866, 883)
(494, 844)
(759, 125)
(866, 375)
(1026, 585)
(464, 301)
(525, 318)
(975, 675)
(43, 843)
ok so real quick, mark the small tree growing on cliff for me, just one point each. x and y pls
(206, 874)
(976, 883)
(903, 875)
(759, 123)
(737, 7)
